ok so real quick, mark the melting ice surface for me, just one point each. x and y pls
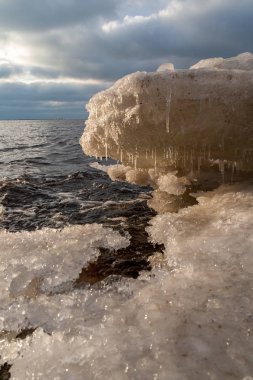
(191, 317)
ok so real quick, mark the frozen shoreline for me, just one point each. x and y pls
(190, 318)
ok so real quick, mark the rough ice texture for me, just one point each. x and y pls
(41, 262)
(243, 61)
(191, 319)
(176, 119)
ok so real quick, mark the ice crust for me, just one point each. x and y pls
(190, 319)
(243, 61)
(41, 262)
(176, 119)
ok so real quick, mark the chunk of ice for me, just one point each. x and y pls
(208, 114)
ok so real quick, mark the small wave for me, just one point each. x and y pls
(22, 147)
(32, 202)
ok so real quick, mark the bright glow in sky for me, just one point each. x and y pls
(81, 47)
(15, 54)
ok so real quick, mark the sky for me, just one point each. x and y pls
(55, 54)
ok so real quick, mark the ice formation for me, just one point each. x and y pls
(190, 319)
(177, 119)
(46, 260)
(243, 61)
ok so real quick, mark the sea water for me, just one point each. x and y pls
(94, 285)
(40, 147)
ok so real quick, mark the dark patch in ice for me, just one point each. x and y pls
(126, 262)
(22, 334)
(5, 371)
(25, 333)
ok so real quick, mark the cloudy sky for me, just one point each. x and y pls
(56, 53)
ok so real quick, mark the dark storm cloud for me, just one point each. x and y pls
(38, 99)
(44, 73)
(25, 15)
(47, 91)
(200, 29)
(7, 70)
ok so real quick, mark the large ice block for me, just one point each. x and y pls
(176, 118)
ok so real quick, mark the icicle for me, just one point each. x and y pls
(204, 153)
(176, 155)
(121, 155)
(199, 163)
(106, 151)
(233, 167)
(200, 106)
(135, 162)
(222, 170)
(146, 154)
(170, 154)
(136, 95)
(167, 115)
(152, 154)
(191, 160)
